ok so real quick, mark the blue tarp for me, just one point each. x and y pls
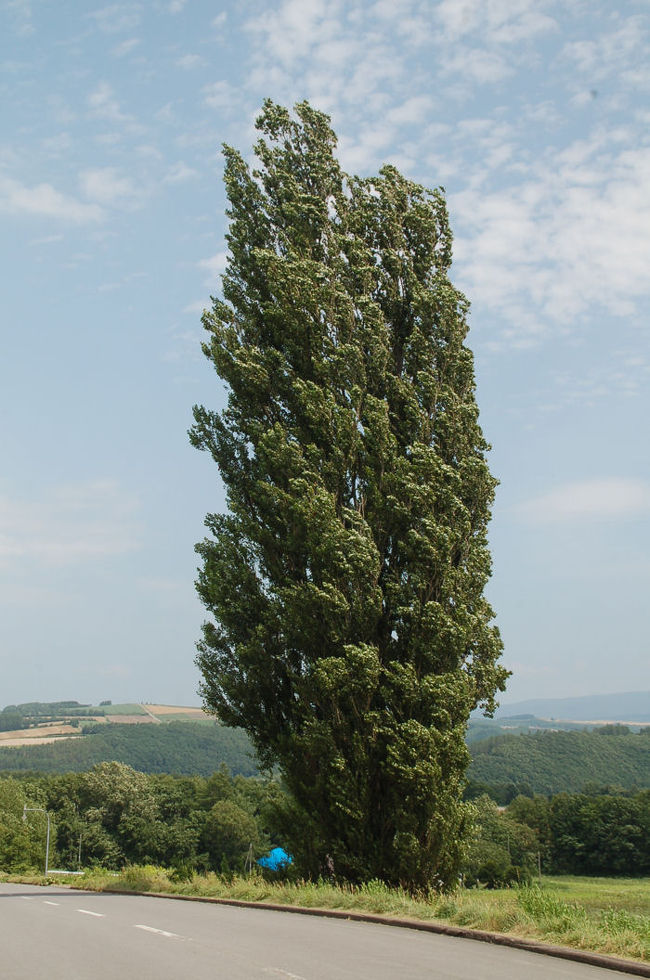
(275, 860)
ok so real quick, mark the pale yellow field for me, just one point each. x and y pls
(37, 740)
(130, 720)
(32, 734)
(173, 709)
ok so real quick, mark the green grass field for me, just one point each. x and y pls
(124, 709)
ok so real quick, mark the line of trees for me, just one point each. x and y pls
(113, 815)
(600, 833)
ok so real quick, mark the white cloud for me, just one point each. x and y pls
(104, 105)
(58, 146)
(220, 95)
(68, 524)
(21, 13)
(45, 240)
(176, 6)
(572, 235)
(214, 265)
(477, 65)
(45, 200)
(414, 110)
(290, 31)
(116, 17)
(624, 374)
(497, 21)
(612, 53)
(197, 307)
(366, 148)
(190, 61)
(120, 50)
(107, 187)
(590, 500)
(180, 172)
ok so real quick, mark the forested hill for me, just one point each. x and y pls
(177, 747)
(542, 762)
(555, 762)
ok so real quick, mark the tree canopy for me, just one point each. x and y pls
(349, 631)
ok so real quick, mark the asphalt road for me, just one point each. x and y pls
(60, 934)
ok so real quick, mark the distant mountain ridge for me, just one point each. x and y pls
(631, 706)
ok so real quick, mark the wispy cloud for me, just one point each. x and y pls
(221, 95)
(190, 61)
(103, 104)
(109, 188)
(573, 234)
(613, 52)
(21, 15)
(68, 524)
(125, 47)
(625, 373)
(46, 201)
(45, 240)
(590, 500)
(214, 266)
(116, 17)
(477, 65)
(291, 30)
(496, 21)
(179, 172)
(196, 308)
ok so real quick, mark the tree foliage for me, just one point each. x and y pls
(554, 762)
(112, 816)
(349, 634)
(592, 834)
(502, 850)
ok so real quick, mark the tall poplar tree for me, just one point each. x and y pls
(349, 634)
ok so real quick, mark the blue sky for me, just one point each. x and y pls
(533, 115)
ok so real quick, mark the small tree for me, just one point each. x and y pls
(349, 635)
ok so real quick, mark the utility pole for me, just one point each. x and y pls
(39, 809)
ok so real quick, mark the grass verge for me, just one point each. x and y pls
(602, 915)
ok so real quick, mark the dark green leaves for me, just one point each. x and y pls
(350, 635)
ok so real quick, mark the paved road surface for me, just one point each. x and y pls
(60, 934)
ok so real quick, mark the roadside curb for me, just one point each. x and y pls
(495, 938)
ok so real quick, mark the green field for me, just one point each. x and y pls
(124, 709)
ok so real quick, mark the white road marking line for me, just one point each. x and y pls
(98, 915)
(28, 898)
(282, 973)
(159, 932)
(45, 902)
